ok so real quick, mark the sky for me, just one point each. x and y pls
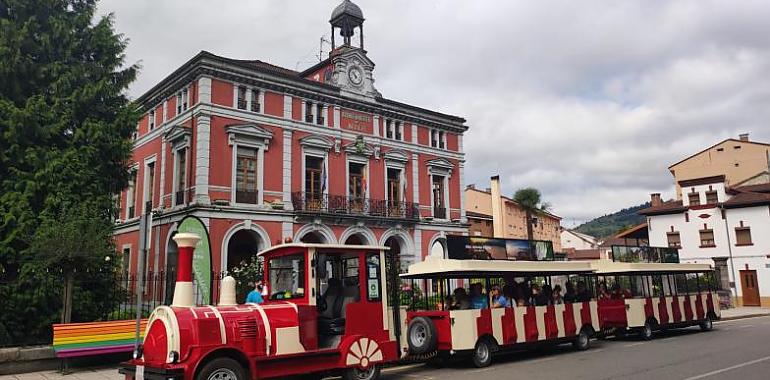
(588, 101)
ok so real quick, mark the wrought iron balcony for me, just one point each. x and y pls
(246, 196)
(316, 203)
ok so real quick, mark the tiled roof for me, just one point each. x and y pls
(702, 181)
(745, 199)
(762, 188)
(670, 207)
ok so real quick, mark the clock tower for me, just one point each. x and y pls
(351, 68)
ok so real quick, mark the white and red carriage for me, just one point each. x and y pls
(305, 326)
(479, 331)
(655, 296)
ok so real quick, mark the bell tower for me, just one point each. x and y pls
(351, 68)
(347, 17)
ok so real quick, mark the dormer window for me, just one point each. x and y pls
(241, 97)
(712, 197)
(694, 199)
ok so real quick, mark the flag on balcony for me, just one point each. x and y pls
(403, 185)
(323, 176)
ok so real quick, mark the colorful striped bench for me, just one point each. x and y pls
(94, 338)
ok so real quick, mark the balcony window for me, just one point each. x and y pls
(241, 103)
(439, 201)
(255, 105)
(151, 120)
(694, 199)
(308, 112)
(315, 181)
(388, 129)
(246, 176)
(149, 184)
(131, 195)
(711, 197)
(356, 185)
(674, 240)
(397, 130)
(319, 114)
(433, 138)
(743, 236)
(180, 185)
(707, 238)
(441, 137)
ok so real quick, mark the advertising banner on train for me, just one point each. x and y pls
(487, 248)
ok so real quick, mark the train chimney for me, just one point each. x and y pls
(183, 291)
(227, 292)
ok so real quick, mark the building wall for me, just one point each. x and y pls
(754, 256)
(514, 219)
(571, 240)
(737, 164)
(480, 227)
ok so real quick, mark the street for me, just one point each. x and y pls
(738, 349)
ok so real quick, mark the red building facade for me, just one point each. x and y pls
(263, 155)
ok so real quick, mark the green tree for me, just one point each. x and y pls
(65, 127)
(530, 200)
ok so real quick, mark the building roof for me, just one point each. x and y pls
(472, 214)
(761, 188)
(347, 8)
(747, 199)
(702, 180)
(638, 231)
(608, 267)
(670, 207)
(284, 78)
(585, 237)
(707, 149)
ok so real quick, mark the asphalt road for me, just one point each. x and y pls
(738, 349)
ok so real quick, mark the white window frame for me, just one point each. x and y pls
(260, 148)
(443, 168)
(131, 193)
(175, 187)
(394, 161)
(146, 189)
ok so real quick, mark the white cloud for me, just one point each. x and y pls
(590, 101)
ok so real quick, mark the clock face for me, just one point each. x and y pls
(356, 75)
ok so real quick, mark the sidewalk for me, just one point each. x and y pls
(77, 374)
(744, 312)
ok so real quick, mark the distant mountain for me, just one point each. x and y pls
(611, 224)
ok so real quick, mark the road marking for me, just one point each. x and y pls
(634, 344)
(712, 373)
(402, 368)
(744, 326)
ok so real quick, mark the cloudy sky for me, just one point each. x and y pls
(589, 101)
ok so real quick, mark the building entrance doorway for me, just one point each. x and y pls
(749, 288)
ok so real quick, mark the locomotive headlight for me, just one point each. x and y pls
(173, 357)
(137, 352)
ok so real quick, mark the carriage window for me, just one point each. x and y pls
(681, 284)
(373, 277)
(351, 267)
(287, 277)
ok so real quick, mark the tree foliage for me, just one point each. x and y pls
(530, 200)
(611, 224)
(65, 127)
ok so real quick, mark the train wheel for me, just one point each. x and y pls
(482, 354)
(582, 341)
(222, 369)
(355, 373)
(421, 336)
(646, 332)
(706, 324)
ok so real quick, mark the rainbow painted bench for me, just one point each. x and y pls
(94, 338)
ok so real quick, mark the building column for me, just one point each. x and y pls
(325, 111)
(376, 125)
(415, 178)
(202, 154)
(204, 90)
(163, 171)
(414, 134)
(337, 122)
(287, 107)
(417, 254)
(286, 231)
(287, 134)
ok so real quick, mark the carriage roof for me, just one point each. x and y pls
(434, 267)
(611, 267)
(281, 247)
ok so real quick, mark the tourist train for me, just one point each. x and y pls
(344, 310)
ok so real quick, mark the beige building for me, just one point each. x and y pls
(481, 212)
(742, 162)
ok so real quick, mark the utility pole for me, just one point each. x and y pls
(145, 222)
(321, 48)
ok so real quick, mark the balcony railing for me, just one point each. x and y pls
(439, 212)
(343, 205)
(246, 196)
(254, 107)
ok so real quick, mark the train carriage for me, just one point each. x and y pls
(433, 327)
(655, 296)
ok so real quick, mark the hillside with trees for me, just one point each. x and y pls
(611, 224)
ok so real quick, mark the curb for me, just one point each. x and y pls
(737, 317)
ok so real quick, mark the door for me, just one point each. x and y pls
(749, 288)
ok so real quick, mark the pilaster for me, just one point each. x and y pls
(202, 158)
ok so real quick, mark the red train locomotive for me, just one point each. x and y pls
(302, 327)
